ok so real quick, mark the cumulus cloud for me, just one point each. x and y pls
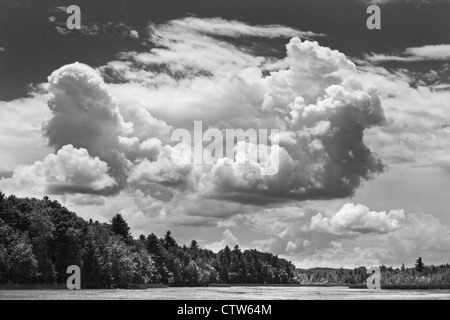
(322, 153)
(317, 100)
(358, 218)
(228, 240)
(318, 103)
(85, 115)
(162, 171)
(69, 170)
(351, 236)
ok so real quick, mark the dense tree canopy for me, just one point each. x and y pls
(39, 239)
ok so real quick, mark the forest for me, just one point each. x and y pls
(40, 238)
(419, 274)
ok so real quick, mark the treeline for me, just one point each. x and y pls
(420, 274)
(39, 239)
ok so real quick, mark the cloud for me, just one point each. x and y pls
(2, 49)
(431, 52)
(21, 140)
(69, 170)
(413, 54)
(358, 218)
(85, 115)
(318, 102)
(134, 34)
(351, 236)
(203, 78)
(416, 134)
(421, 233)
(322, 153)
(162, 171)
(234, 28)
(228, 240)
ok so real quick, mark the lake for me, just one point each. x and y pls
(228, 293)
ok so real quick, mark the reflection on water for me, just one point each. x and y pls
(232, 293)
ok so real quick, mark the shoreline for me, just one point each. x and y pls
(19, 287)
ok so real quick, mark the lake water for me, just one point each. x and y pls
(228, 293)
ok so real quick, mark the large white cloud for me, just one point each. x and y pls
(318, 102)
(325, 112)
(69, 170)
(85, 115)
(358, 218)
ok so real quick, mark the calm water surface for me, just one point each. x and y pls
(233, 293)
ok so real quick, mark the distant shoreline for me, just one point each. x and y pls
(225, 285)
(157, 286)
(405, 286)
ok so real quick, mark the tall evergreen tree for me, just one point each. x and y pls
(2, 200)
(419, 266)
(120, 227)
(153, 245)
(169, 241)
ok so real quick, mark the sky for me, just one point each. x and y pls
(86, 117)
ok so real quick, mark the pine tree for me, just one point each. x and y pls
(120, 227)
(420, 266)
(158, 253)
(153, 245)
(169, 241)
(2, 200)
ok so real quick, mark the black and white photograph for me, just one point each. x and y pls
(241, 151)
